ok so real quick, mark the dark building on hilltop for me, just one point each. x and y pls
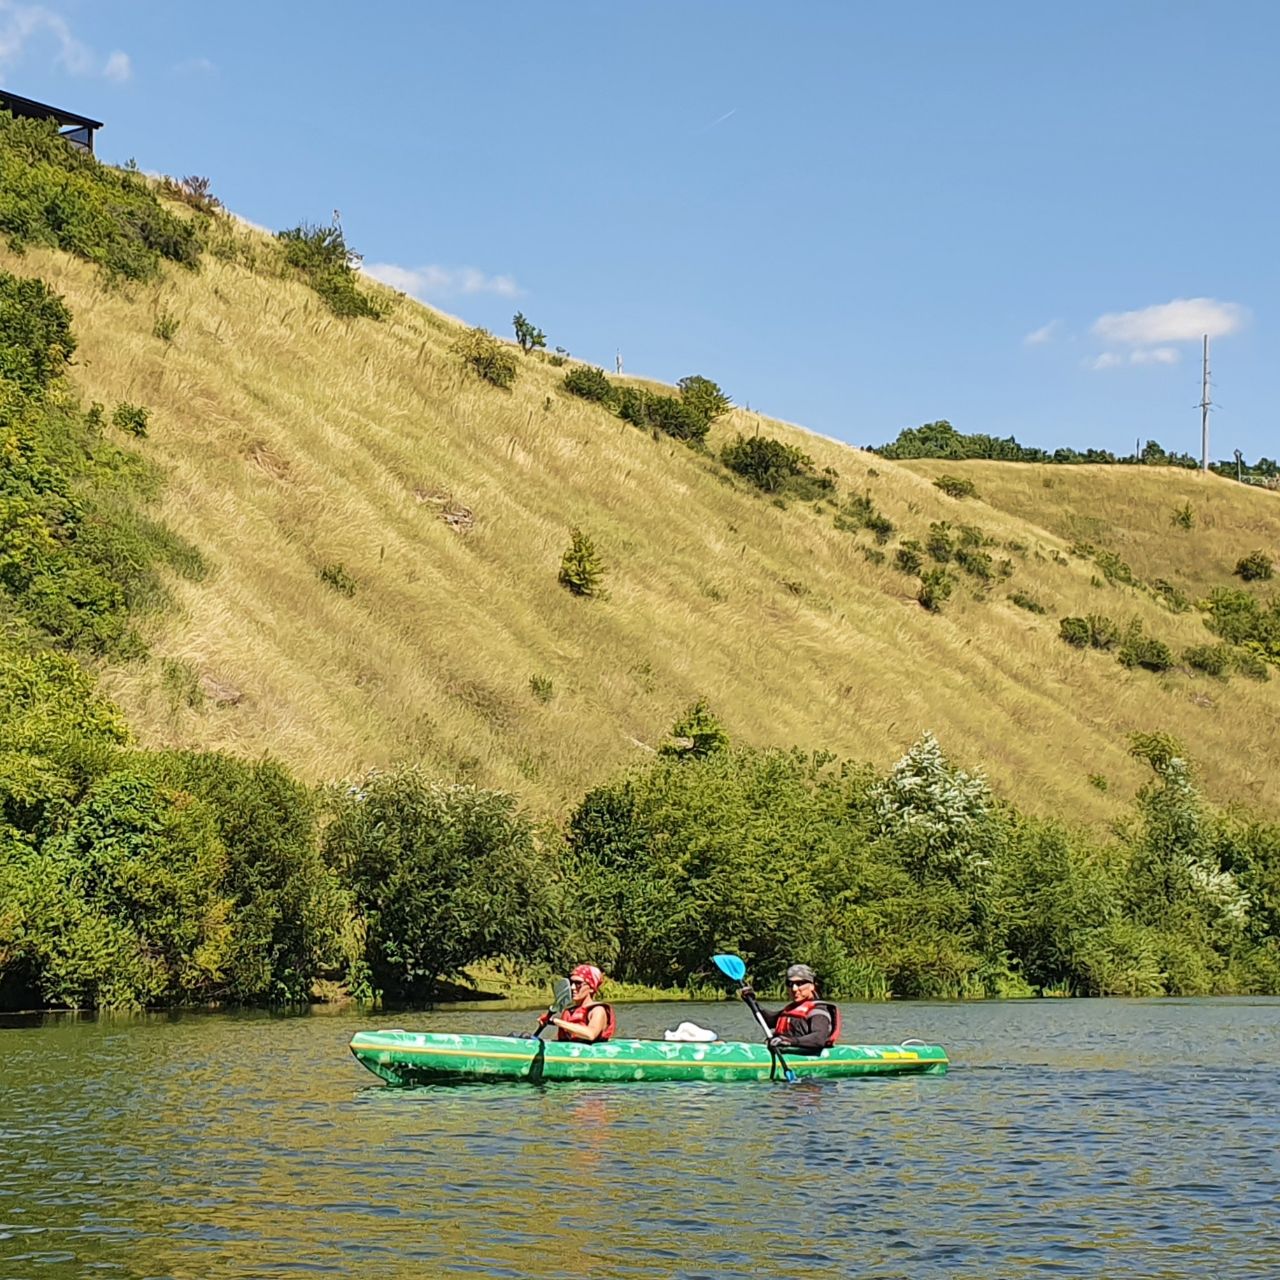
(78, 130)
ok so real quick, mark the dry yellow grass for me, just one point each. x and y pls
(293, 440)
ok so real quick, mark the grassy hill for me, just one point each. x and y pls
(295, 442)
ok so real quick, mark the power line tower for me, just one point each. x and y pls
(1205, 403)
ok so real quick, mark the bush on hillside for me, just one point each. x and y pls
(1027, 602)
(131, 419)
(696, 734)
(484, 355)
(1184, 517)
(1240, 618)
(36, 342)
(704, 397)
(1096, 631)
(56, 195)
(677, 419)
(193, 191)
(581, 569)
(590, 383)
(322, 257)
(860, 512)
(770, 465)
(1140, 650)
(1213, 659)
(935, 589)
(907, 558)
(441, 877)
(1257, 566)
(956, 486)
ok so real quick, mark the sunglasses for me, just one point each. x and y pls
(798, 982)
(577, 982)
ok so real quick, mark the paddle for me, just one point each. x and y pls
(735, 970)
(561, 994)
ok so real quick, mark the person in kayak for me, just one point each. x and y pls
(586, 1018)
(808, 1024)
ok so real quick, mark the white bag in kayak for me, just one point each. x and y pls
(690, 1031)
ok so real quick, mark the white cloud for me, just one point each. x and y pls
(23, 24)
(1107, 360)
(1154, 355)
(436, 282)
(1038, 337)
(1182, 320)
(194, 68)
(118, 68)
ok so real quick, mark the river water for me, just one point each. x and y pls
(1071, 1138)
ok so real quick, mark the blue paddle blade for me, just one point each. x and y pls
(732, 967)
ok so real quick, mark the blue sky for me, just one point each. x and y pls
(1017, 216)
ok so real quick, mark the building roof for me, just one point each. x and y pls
(29, 106)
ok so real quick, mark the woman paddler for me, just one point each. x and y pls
(586, 1018)
(808, 1024)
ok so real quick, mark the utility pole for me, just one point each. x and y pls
(1205, 402)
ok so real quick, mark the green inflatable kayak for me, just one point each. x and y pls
(410, 1058)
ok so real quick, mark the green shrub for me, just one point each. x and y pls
(528, 335)
(1250, 664)
(1241, 619)
(287, 910)
(193, 191)
(55, 195)
(1115, 569)
(696, 734)
(935, 588)
(130, 909)
(1171, 596)
(590, 383)
(581, 569)
(860, 512)
(1255, 567)
(165, 327)
(542, 688)
(35, 333)
(484, 355)
(704, 397)
(1212, 659)
(1104, 634)
(322, 258)
(1029, 603)
(676, 419)
(442, 877)
(335, 576)
(633, 406)
(907, 558)
(1184, 517)
(556, 362)
(768, 464)
(1139, 650)
(939, 544)
(956, 486)
(130, 418)
(977, 564)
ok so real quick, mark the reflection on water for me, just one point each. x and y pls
(1071, 1138)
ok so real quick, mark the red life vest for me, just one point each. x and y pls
(794, 1019)
(580, 1015)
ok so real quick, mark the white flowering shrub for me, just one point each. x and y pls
(943, 810)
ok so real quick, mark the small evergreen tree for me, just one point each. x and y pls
(704, 397)
(527, 335)
(696, 734)
(581, 569)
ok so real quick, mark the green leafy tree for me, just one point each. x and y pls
(590, 383)
(766, 463)
(527, 334)
(35, 333)
(442, 877)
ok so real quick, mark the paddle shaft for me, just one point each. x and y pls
(788, 1074)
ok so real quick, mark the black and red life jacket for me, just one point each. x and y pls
(580, 1015)
(794, 1019)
